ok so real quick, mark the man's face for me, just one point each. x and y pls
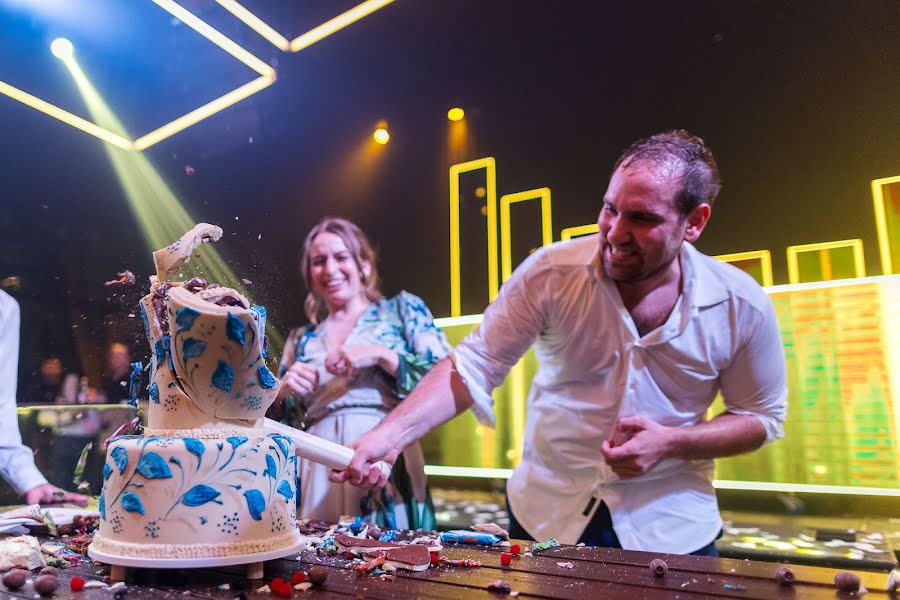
(641, 230)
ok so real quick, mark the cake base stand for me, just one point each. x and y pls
(119, 564)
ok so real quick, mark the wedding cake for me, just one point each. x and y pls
(205, 479)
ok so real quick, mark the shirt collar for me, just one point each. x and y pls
(700, 286)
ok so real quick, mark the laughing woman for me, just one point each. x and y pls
(358, 357)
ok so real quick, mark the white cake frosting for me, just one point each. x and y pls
(205, 479)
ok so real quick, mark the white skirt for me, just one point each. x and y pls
(323, 500)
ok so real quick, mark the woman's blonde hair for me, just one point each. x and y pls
(361, 250)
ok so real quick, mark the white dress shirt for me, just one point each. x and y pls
(595, 367)
(16, 460)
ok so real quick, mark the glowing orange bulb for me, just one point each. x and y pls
(381, 135)
(456, 114)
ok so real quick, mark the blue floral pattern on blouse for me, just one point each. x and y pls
(402, 324)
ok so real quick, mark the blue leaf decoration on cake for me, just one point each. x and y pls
(160, 353)
(236, 440)
(284, 488)
(234, 329)
(271, 470)
(107, 471)
(101, 507)
(185, 318)
(154, 393)
(120, 457)
(200, 495)
(132, 503)
(152, 466)
(283, 443)
(256, 504)
(196, 448)
(266, 379)
(191, 348)
(223, 377)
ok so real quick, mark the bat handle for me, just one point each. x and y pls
(325, 452)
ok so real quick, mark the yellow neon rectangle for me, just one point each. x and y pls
(856, 245)
(884, 239)
(489, 165)
(569, 232)
(764, 257)
(505, 234)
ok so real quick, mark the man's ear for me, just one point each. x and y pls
(696, 221)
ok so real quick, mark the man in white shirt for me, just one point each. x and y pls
(635, 332)
(16, 460)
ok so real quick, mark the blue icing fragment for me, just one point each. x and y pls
(284, 488)
(200, 495)
(160, 353)
(120, 457)
(256, 504)
(266, 379)
(196, 448)
(234, 329)
(191, 348)
(153, 466)
(102, 506)
(283, 443)
(236, 440)
(107, 471)
(223, 377)
(132, 503)
(271, 470)
(185, 318)
(154, 393)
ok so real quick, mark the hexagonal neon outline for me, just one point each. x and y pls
(310, 37)
(267, 78)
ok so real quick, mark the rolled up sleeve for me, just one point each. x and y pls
(511, 324)
(756, 381)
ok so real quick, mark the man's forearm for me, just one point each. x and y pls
(726, 435)
(437, 398)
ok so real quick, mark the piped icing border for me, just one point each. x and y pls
(254, 434)
(132, 550)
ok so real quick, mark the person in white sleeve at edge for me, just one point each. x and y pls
(635, 332)
(17, 460)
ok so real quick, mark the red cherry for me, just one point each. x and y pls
(297, 578)
(506, 559)
(76, 584)
(515, 549)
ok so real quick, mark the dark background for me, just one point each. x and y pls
(797, 99)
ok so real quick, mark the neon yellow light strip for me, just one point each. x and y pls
(764, 257)
(463, 320)
(489, 165)
(809, 488)
(505, 234)
(884, 240)
(856, 245)
(215, 37)
(256, 24)
(722, 484)
(439, 471)
(64, 116)
(569, 232)
(339, 22)
(203, 112)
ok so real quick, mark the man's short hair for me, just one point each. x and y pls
(699, 173)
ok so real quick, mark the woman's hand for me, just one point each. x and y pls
(301, 379)
(349, 359)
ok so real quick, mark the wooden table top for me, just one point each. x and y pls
(594, 573)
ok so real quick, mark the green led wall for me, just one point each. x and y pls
(842, 346)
